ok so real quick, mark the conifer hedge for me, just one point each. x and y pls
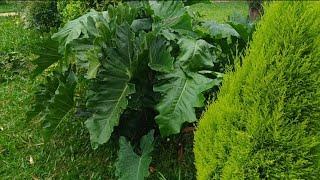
(266, 121)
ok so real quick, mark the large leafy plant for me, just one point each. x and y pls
(136, 67)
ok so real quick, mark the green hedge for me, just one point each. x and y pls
(42, 15)
(266, 121)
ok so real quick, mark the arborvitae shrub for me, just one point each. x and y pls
(266, 121)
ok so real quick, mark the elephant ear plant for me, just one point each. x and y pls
(137, 67)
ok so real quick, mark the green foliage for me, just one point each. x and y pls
(133, 166)
(43, 95)
(144, 66)
(118, 70)
(265, 123)
(62, 101)
(182, 93)
(79, 28)
(42, 15)
(47, 55)
(55, 98)
(71, 10)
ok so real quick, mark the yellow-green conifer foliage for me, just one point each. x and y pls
(266, 121)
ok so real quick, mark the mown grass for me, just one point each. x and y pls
(10, 7)
(220, 11)
(14, 37)
(19, 139)
(26, 152)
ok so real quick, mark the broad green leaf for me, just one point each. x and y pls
(94, 64)
(169, 34)
(80, 27)
(62, 101)
(219, 30)
(181, 24)
(112, 86)
(167, 9)
(171, 15)
(124, 13)
(70, 32)
(181, 93)
(83, 50)
(48, 55)
(78, 38)
(131, 165)
(182, 89)
(159, 54)
(141, 24)
(195, 54)
(244, 29)
(43, 94)
(108, 102)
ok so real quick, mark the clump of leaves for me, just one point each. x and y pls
(138, 66)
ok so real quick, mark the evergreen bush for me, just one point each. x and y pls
(266, 121)
(42, 15)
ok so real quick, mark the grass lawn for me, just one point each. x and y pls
(220, 11)
(26, 152)
(9, 7)
(14, 37)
